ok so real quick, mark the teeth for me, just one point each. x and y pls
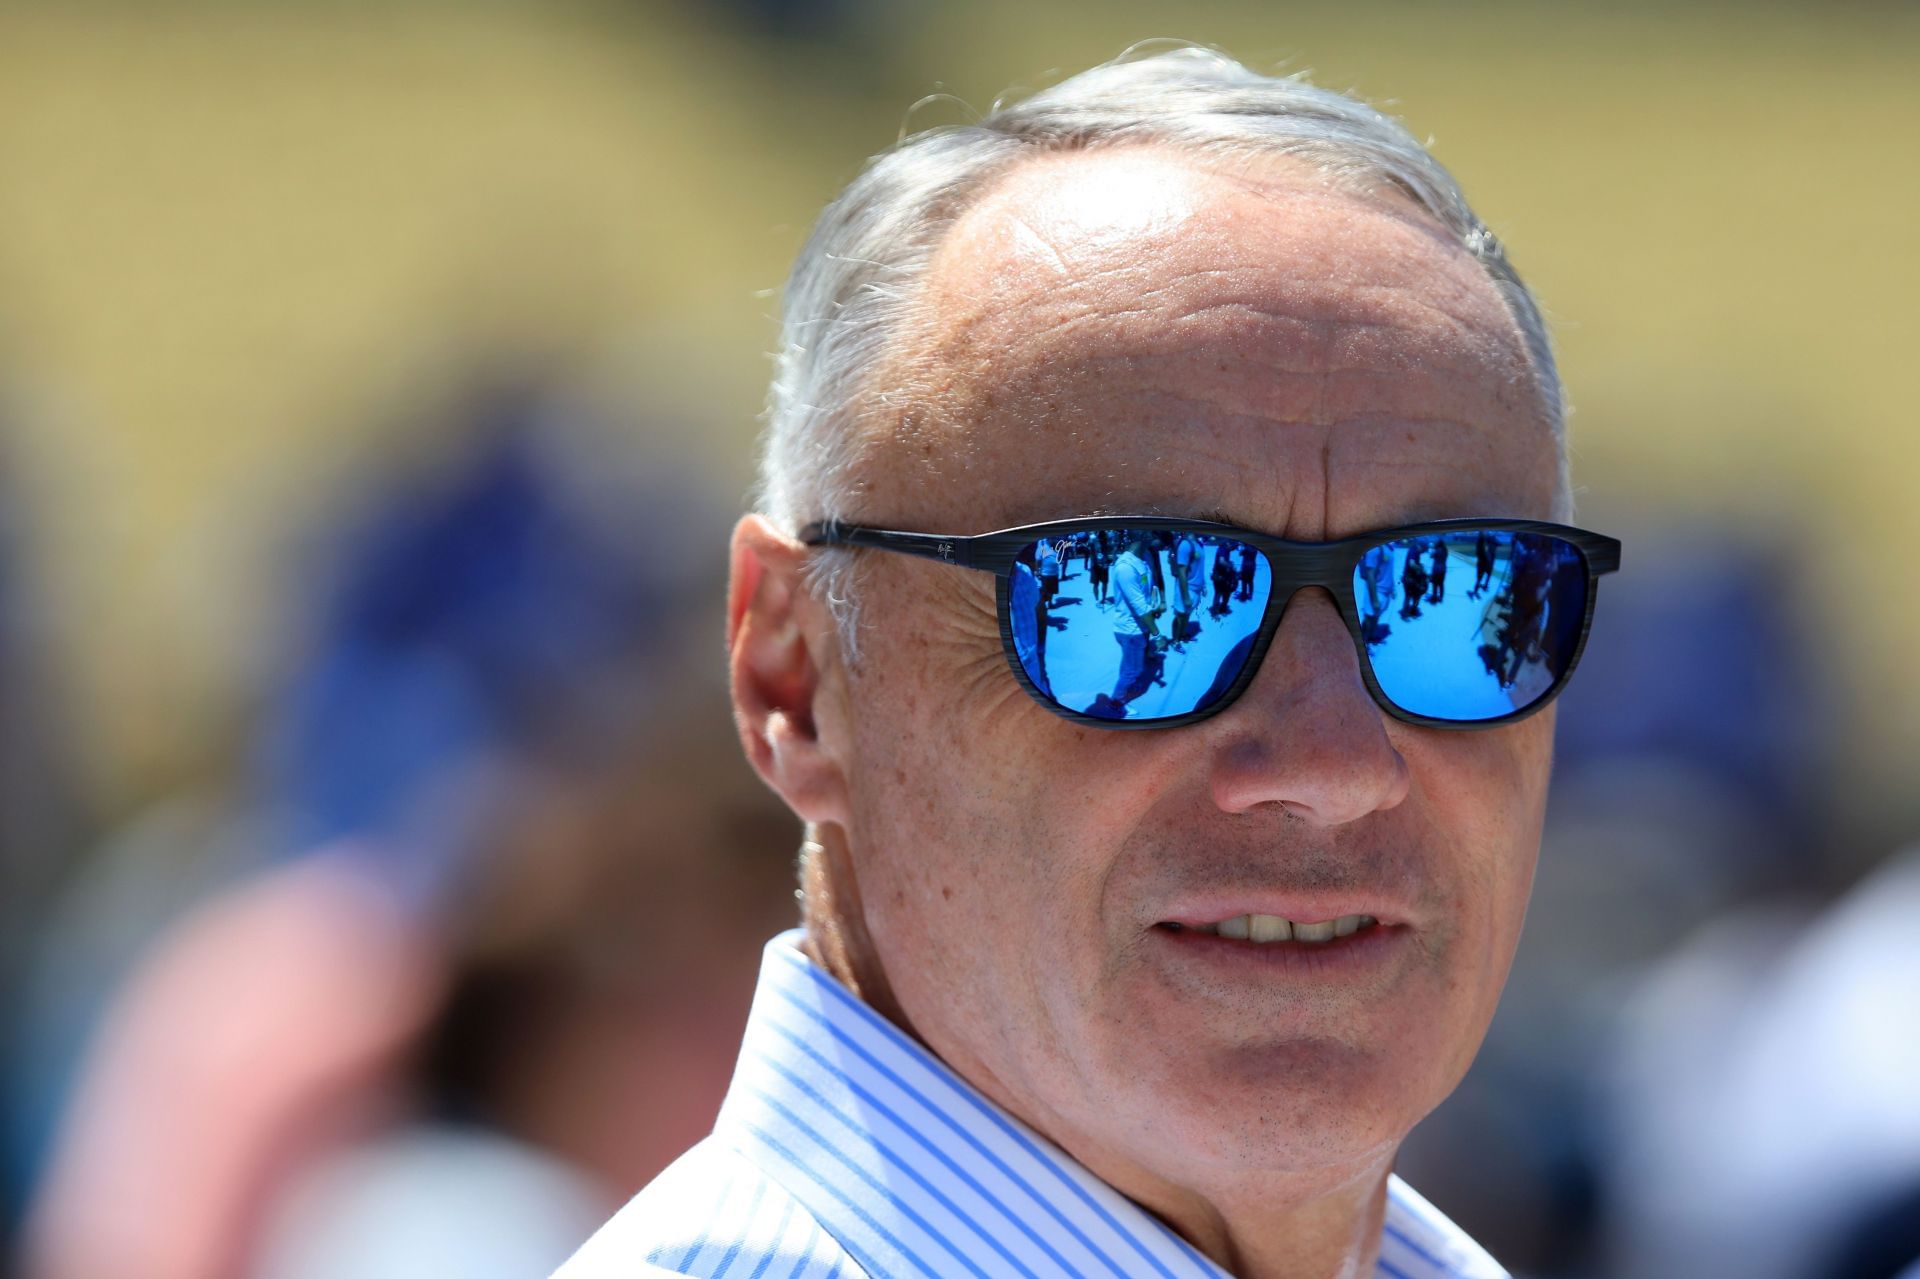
(1269, 928)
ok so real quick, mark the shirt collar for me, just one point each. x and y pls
(915, 1172)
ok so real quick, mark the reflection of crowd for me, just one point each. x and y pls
(1136, 624)
(1099, 557)
(1189, 583)
(1376, 575)
(1413, 583)
(1516, 640)
(1153, 586)
(1139, 581)
(1047, 557)
(1423, 577)
(1127, 579)
(1482, 563)
(1517, 612)
(1226, 580)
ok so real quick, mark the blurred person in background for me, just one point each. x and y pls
(1071, 1001)
(1764, 1094)
(41, 815)
(493, 966)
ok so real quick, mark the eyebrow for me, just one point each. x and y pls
(1418, 514)
(1421, 513)
(1162, 510)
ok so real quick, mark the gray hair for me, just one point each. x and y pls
(852, 285)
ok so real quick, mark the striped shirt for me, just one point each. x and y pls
(846, 1150)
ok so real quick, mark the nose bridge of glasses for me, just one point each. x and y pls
(1325, 569)
(1296, 566)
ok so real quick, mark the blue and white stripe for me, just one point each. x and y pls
(845, 1150)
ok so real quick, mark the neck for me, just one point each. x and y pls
(1320, 1225)
(1256, 1223)
(1272, 1226)
(837, 937)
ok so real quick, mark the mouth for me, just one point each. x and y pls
(1271, 930)
(1275, 933)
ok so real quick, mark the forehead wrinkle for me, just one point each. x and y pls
(1287, 324)
(1298, 339)
(952, 322)
(1280, 221)
(1214, 459)
(1491, 480)
(1308, 336)
(1287, 428)
(1023, 229)
(1431, 306)
(1194, 381)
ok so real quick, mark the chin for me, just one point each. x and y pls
(1299, 1105)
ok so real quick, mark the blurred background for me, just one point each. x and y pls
(380, 885)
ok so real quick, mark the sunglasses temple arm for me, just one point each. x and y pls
(932, 546)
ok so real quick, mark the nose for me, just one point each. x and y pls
(1306, 736)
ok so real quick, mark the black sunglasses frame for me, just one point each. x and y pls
(1294, 565)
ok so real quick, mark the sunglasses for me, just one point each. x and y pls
(1138, 622)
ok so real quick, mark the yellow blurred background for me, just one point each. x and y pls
(233, 237)
(252, 258)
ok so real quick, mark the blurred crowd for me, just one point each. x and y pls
(458, 957)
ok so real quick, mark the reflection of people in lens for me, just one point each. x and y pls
(1134, 628)
(1097, 557)
(1028, 613)
(1492, 658)
(1049, 558)
(1482, 563)
(1186, 563)
(1438, 573)
(1413, 584)
(1225, 578)
(1376, 574)
(1157, 545)
(1517, 642)
(1246, 573)
(1196, 584)
(1528, 619)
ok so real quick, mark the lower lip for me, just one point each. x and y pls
(1354, 955)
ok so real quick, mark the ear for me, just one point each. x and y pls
(780, 640)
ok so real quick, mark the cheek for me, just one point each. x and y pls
(982, 828)
(946, 775)
(1522, 761)
(1487, 791)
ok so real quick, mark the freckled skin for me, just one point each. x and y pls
(1127, 331)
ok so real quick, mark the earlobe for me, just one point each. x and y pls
(777, 645)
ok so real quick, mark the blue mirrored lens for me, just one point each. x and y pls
(1137, 624)
(1471, 625)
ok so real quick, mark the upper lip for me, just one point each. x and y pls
(1301, 908)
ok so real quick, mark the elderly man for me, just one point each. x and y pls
(1072, 1001)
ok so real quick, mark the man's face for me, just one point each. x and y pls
(1126, 332)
